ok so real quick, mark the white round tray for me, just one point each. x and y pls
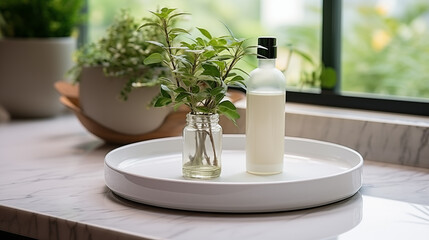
(315, 173)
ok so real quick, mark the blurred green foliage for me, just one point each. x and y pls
(208, 14)
(388, 53)
(241, 16)
(39, 18)
(121, 52)
(382, 53)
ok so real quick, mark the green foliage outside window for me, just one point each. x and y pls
(39, 18)
(387, 54)
(382, 53)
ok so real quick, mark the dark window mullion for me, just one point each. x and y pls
(83, 26)
(331, 40)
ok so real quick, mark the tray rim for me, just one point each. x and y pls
(169, 191)
(209, 182)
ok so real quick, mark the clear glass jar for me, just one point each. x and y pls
(202, 146)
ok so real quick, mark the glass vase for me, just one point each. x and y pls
(202, 146)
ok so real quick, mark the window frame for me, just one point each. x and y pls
(331, 57)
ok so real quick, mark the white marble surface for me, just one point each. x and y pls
(52, 187)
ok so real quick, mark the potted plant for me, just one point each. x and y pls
(36, 51)
(202, 68)
(110, 68)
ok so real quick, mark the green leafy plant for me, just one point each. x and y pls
(39, 18)
(201, 67)
(121, 53)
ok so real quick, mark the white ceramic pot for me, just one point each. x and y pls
(28, 70)
(100, 100)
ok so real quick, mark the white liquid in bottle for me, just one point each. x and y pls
(265, 133)
(265, 113)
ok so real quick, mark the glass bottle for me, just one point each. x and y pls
(265, 113)
(202, 146)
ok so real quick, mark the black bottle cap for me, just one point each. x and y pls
(267, 48)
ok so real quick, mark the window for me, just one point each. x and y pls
(294, 23)
(349, 94)
(377, 49)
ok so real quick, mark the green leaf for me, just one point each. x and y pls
(231, 74)
(148, 24)
(229, 30)
(156, 43)
(218, 42)
(153, 58)
(219, 97)
(200, 41)
(187, 45)
(182, 60)
(224, 57)
(239, 84)
(180, 90)
(229, 110)
(210, 70)
(217, 90)
(328, 77)
(159, 15)
(237, 78)
(222, 41)
(181, 96)
(220, 64)
(178, 30)
(227, 104)
(212, 84)
(172, 36)
(164, 91)
(237, 43)
(252, 46)
(162, 101)
(187, 82)
(203, 109)
(195, 89)
(205, 33)
(209, 54)
(241, 70)
(177, 15)
(166, 11)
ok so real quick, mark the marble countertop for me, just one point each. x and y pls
(52, 187)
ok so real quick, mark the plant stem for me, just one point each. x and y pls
(169, 52)
(215, 162)
(200, 147)
(233, 62)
